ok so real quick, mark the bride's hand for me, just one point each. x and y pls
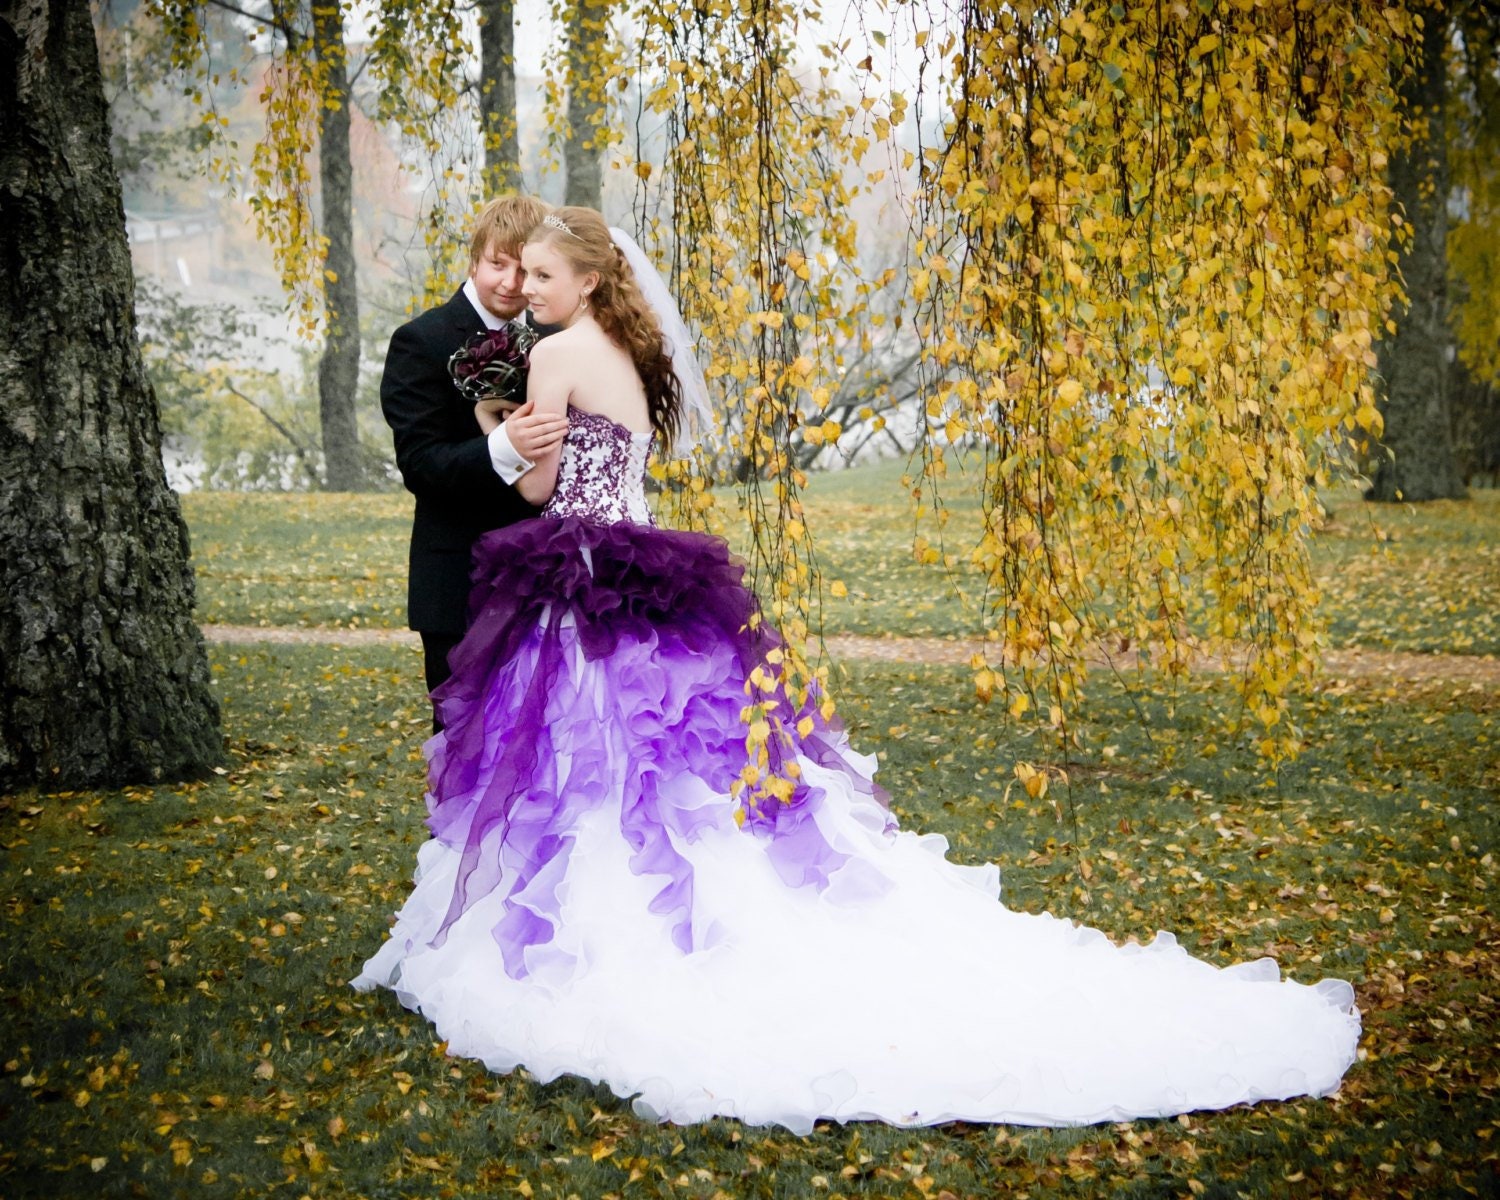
(489, 414)
(534, 434)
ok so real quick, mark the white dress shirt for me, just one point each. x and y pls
(509, 465)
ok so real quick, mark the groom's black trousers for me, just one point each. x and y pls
(435, 650)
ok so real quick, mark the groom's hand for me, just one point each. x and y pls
(533, 434)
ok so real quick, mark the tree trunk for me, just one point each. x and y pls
(105, 678)
(583, 155)
(1413, 363)
(1476, 426)
(497, 97)
(338, 369)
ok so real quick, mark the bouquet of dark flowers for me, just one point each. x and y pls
(490, 368)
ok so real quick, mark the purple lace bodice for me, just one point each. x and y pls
(602, 476)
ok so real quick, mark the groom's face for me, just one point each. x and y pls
(498, 276)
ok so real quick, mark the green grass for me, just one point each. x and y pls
(314, 559)
(1413, 577)
(177, 1021)
(1394, 577)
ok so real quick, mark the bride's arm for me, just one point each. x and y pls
(548, 387)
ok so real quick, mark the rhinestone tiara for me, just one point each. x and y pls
(556, 222)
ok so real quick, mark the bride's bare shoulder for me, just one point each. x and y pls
(582, 347)
(555, 349)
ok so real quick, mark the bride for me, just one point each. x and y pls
(589, 903)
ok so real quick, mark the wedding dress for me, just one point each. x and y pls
(589, 905)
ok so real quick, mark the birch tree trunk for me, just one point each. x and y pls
(103, 675)
(583, 155)
(1414, 361)
(338, 368)
(497, 97)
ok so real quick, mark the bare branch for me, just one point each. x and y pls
(270, 21)
(302, 452)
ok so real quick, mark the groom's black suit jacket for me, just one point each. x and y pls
(444, 461)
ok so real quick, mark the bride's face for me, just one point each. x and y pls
(554, 288)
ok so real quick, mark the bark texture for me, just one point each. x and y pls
(1476, 426)
(105, 677)
(338, 368)
(1414, 362)
(583, 155)
(497, 97)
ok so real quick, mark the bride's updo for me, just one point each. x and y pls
(581, 236)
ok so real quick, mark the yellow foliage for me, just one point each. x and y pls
(750, 215)
(1185, 268)
(416, 53)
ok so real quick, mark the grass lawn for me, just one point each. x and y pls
(1394, 577)
(177, 1020)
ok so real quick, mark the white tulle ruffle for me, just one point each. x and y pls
(903, 992)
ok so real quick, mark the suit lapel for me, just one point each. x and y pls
(461, 313)
(465, 323)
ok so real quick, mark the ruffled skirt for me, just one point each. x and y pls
(589, 904)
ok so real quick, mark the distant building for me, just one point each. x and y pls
(185, 249)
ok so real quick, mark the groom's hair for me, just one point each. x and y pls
(503, 225)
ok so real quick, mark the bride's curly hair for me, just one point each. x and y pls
(581, 236)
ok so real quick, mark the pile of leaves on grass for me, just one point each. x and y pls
(178, 1022)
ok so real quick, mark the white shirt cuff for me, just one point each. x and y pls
(509, 465)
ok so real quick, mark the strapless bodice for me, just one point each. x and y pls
(602, 476)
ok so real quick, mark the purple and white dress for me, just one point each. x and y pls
(589, 905)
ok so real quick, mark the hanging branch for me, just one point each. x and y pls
(1157, 261)
(749, 211)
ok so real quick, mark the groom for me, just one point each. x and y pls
(463, 480)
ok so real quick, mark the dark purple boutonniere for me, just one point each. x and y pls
(491, 366)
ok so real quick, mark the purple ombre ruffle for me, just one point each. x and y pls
(605, 664)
